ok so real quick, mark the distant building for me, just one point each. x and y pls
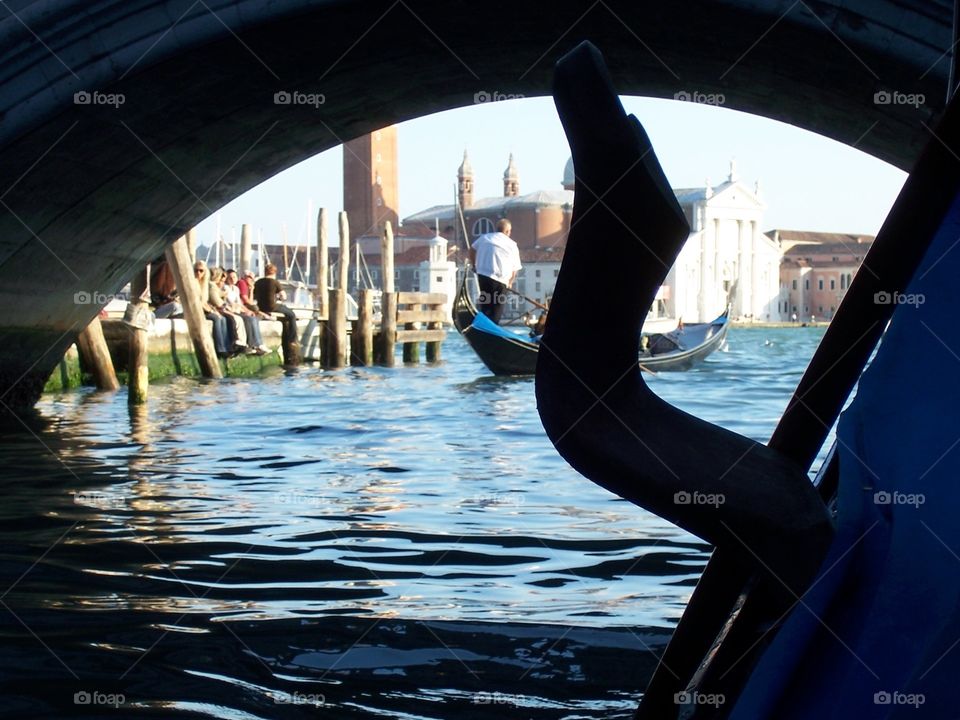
(726, 242)
(816, 270)
(725, 245)
(540, 220)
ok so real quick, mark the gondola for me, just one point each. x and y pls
(508, 353)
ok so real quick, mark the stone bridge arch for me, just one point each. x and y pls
(90, 190)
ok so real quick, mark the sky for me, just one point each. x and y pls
(807, 181)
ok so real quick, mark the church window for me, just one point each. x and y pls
(482, 226)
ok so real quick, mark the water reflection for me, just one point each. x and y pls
(236, 539)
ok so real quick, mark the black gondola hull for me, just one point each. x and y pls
(516, 356)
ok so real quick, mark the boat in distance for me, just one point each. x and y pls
(508, 353)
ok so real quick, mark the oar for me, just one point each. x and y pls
(529, 300)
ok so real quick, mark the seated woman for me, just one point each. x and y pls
(221, 339)
(251, 320)
(235, 328)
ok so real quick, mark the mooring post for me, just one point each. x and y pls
(323, 264)
(411, 350)
(137, 321)
(363, 332)
(246, 249)
(433, 347)
(178, 258)
(388, 301)
(192, 246)
(337, 323)
(322, 289)
(95, 355)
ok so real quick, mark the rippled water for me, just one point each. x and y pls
(364, 543)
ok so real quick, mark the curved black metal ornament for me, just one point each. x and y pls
(757, 506)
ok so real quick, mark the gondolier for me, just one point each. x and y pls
(496, 258)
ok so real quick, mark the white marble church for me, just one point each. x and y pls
(726, 244)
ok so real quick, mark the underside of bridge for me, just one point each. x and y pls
(126, 122)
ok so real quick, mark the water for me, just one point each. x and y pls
(364, 543)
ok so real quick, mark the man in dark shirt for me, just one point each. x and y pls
(269, 296)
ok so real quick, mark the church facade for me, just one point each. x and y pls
(726, 242)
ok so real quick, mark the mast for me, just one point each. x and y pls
(306, 279)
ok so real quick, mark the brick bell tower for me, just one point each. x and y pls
(370, 187)
(465, 182)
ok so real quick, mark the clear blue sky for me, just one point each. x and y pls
(807, 181)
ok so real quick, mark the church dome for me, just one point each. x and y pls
(568, 176)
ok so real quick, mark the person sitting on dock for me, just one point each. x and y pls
(236, 332)
(269, 297)
(245, 286)
(496, 258)
(220, 332)
(251, 319)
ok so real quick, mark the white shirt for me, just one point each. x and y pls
(498, 256)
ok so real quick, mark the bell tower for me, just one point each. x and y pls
(465, 182)
(370, 187)
(511, 179)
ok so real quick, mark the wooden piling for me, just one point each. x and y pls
(337, 347)
(95, 356)
(323, 264)
(433, 346)
(363, 331)
(246, 249)
(335, 355)
(192, 247)
(388, 301)
(138, 370)
(343, 276)
(178, 258)
(411, 350)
